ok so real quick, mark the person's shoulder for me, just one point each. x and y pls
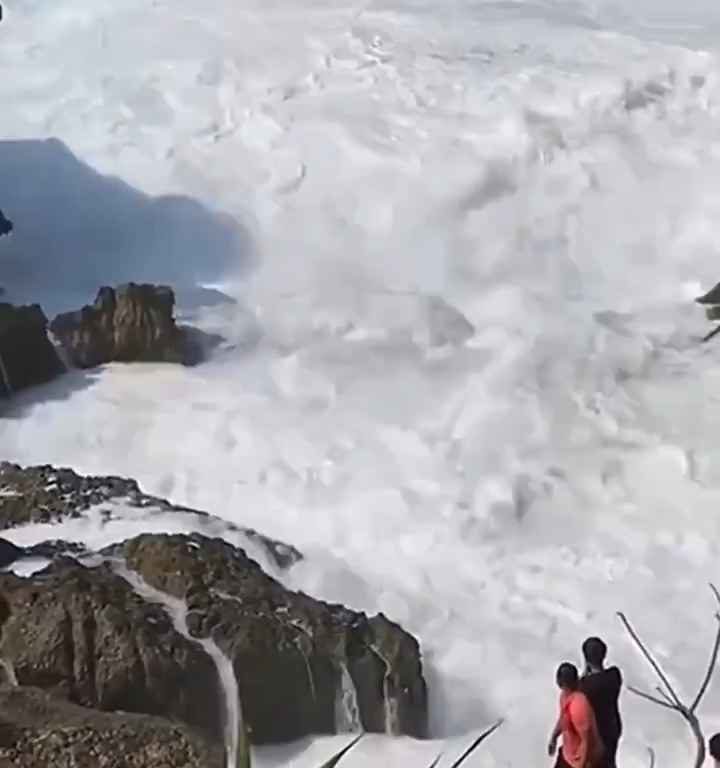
(615, 674)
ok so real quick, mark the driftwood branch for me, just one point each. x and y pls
(670, 698)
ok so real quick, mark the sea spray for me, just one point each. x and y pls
(236, 747)
(347, 711)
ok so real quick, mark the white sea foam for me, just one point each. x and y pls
(548, 170)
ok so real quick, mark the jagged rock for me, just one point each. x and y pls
(84, 634)
(45, 494)
(288, 649)
(27, 356)
(40, 731)
(133, 323)
(6, 226)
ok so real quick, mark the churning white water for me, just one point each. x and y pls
(453, 272)
(347, 711)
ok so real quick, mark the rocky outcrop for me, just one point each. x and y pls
(27, 356)
(46, 494)
(282, 641)
(129, 628)
(83, 634)
(41, 731)
(133, 323)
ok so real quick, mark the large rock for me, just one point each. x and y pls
(40, 731)
(27, 356)
(85, 635)
(291, 653)
(46, 494)
(133, 323)
(302, 666)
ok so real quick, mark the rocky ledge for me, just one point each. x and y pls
(27, 356)
(186, 628)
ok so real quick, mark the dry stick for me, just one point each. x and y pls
(712, 333)
(670, 698)
(484, 735)
(651, 752)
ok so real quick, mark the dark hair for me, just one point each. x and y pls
(714, 746)
(594, 650)
(567, 676)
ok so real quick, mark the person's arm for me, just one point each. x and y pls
(554, 736)
(581, 719)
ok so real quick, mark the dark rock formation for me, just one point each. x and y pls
(84, 634)
(27, 357)
(97, 631)
(286, 643)
(133, 323)
(6, 226)
(41, 731)
(46, 494)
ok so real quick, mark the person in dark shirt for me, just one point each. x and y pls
(714, 748)
(602, 687)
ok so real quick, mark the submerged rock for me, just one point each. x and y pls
(38, 730)
(132, 323)
(27, 356)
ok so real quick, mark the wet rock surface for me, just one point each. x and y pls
(27, 356)
(131, 323)
(99, 629)
(38, 730)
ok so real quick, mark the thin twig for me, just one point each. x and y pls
(710, 670)
(484, 735)
(715, 592)
(651, 752)
(712, 333)
(665, 696)
(654, 700)
(651, 660)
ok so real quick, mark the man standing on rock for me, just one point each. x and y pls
(602, 687)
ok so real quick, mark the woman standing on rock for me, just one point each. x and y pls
(581, 743)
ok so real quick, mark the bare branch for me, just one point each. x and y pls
(651, 660)
(715, 592)
(665, 696)
(651, 752)
(710, 670)
(654, 700)
(484, 735)
(712, 333)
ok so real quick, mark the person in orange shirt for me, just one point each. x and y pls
(581, 743)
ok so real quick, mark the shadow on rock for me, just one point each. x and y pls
(76, 229)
